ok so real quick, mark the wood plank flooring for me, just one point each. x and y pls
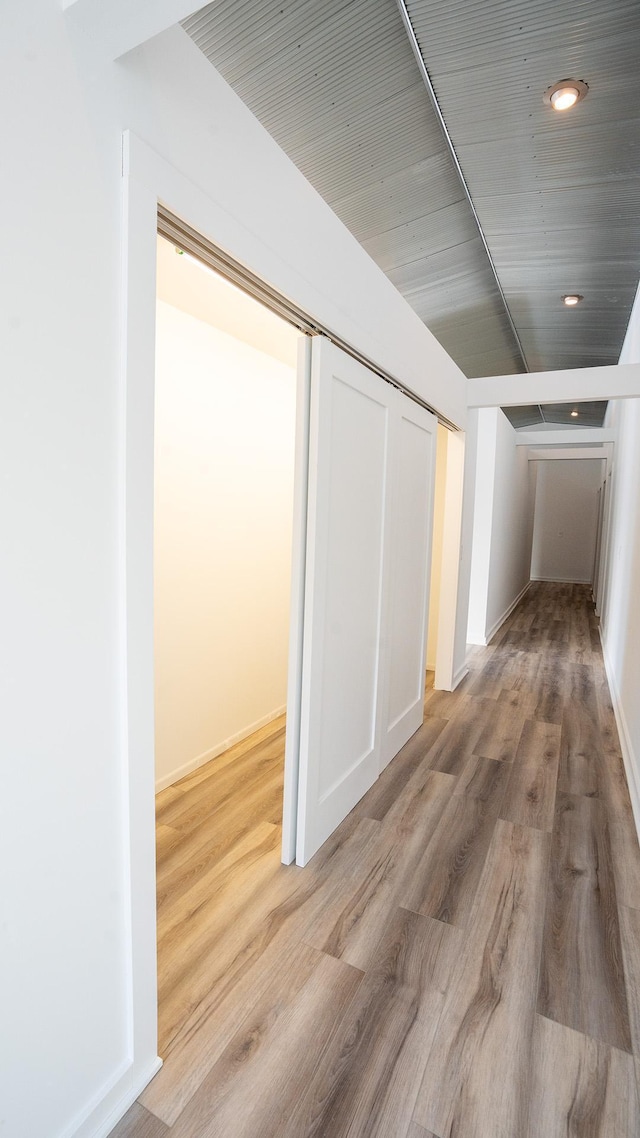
(460, 960)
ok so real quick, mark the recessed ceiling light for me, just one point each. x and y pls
(564, 98)
(574, 414)
(565, 94)
(572, 299)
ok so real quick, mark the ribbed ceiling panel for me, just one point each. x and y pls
(523, 416)
(400, 198)
(336, 84)
(589, 414)
(558, 195)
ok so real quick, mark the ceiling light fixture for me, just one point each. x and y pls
(571, 299)
(565, 94)
(574, 414)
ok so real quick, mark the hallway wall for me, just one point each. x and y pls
(565, 519)
(463, 599)
(621, 602)
(502, 526)
(436, 549)
(75, 1055)
(225, 429)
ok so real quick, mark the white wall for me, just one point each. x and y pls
(225, 424)
(483, 495)
(72, 1063)
(512, 527)
(502, 526)
(463, 599)
(436, 549)
(566, 519)
(621, 603)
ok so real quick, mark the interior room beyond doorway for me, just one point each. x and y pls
(436, 551)
(224, 449)
(225, 407)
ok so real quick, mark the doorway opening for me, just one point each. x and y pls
(225, 428)
(435, 585)
(566, 518)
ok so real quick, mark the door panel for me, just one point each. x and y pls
(408, 575)
(348, 475)
(355, 529)
(296, 617)
(369, 521)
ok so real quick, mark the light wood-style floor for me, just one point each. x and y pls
(460, 960)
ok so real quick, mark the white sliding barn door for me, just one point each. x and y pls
(367, 451)
(296, 612)
(407, 575)
(346, 522)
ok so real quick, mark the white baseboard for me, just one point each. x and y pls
(506, 614)
(630, 759)
(112, 1101)
(459, 676)
(213, 752)
(456, 679)
(565, 580)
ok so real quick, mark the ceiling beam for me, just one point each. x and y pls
(575, 436)
(582, 384)
(565, 453)
(120, 25)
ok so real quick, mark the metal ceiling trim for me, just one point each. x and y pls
(413, 39)
(180, 234)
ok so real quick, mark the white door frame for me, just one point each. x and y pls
(148, 180)
(296, 610)
(448, 673)
(604, 455)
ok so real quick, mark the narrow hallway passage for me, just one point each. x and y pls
(460, 960)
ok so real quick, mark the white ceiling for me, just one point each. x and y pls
(186, 284)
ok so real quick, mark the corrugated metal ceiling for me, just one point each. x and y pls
(337, 85)
(586, 414)
(558, 195)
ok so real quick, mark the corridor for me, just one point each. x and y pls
(460, 960)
